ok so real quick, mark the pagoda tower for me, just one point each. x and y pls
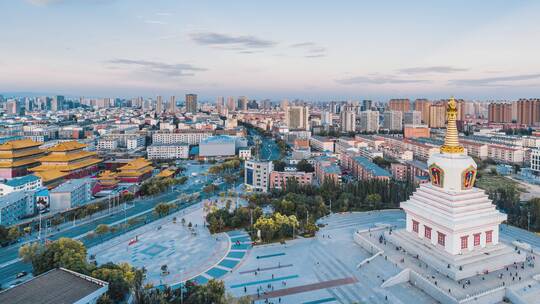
(449, 223)
(449, 211)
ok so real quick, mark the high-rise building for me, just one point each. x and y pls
(500, 112)
(159, 105)
(392, 120)
(528, 111)
(437, 115)
(369, 121)
(172, 104)
(366, 105)
(326, 118)
(297, 117)
(220, 104)
(348, 119)
(402, 105)
(191, 103)
(13, 107)
(284, 105)
(242, 103)
(231, 105)
(423, 105)
(57, 103)
(412, 118)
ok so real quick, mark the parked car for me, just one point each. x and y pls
(21, 274)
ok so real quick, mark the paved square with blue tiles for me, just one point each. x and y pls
(186, 252)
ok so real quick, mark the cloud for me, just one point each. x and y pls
(44, 2)
(377, 80)
(230, 41)
(303, 44)
(431, 69)
(493, 81)
(159, 68)
(154, 22)
(312, 49)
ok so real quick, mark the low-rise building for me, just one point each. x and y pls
(191, 137)
(257, 175)
(363, 169)
(58, 285)
(71, 194)
(24, 183)
(168, 151)
(105, 144)
(278, 180)
(244, 153)
(16, 206)
(321, 143)
(327, 170)
(215, 146)
(415, 131)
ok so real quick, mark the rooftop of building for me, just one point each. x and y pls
(67, 146)
(9, 198)
(372, 167)
(136, 163)
(169, 145)
(331, 169)
(70, 185)
(55, 286)
(19, 181)
(218, 139)
(18, 144)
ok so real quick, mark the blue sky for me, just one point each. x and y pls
(314, 50)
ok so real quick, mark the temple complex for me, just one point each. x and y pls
(69, 160)
(17, 156)
(135, 171)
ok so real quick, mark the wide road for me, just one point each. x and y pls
(10, 264)
(269, 149)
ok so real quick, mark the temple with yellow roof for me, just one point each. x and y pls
(17, 156)
(107, 179)
(135, 171)
(67, 160)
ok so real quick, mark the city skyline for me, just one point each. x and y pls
(272, 50)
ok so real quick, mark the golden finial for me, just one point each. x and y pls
(451, 140)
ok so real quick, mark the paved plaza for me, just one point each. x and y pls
(325, 269)
(186, 252)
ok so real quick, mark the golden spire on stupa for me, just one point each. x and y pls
(451, 140)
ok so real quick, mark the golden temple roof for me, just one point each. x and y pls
(19, 144)
(66, 168)
(136, 164)
(166, 173)
(451, 140)
(17, 163)
(67, 157)
(50, 175)
(106, 174)
(67, 146)
(20, 153)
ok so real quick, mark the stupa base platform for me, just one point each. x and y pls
(456, 267)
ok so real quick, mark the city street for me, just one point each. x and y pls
(10, 264)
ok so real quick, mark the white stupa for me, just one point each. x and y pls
(451, 224)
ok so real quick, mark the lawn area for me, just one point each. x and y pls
(492, 182)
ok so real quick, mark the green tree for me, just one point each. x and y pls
(304, 166)
(101, 229)
(64, 252)
(14, 233)
(162, 209)
(279, 165)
